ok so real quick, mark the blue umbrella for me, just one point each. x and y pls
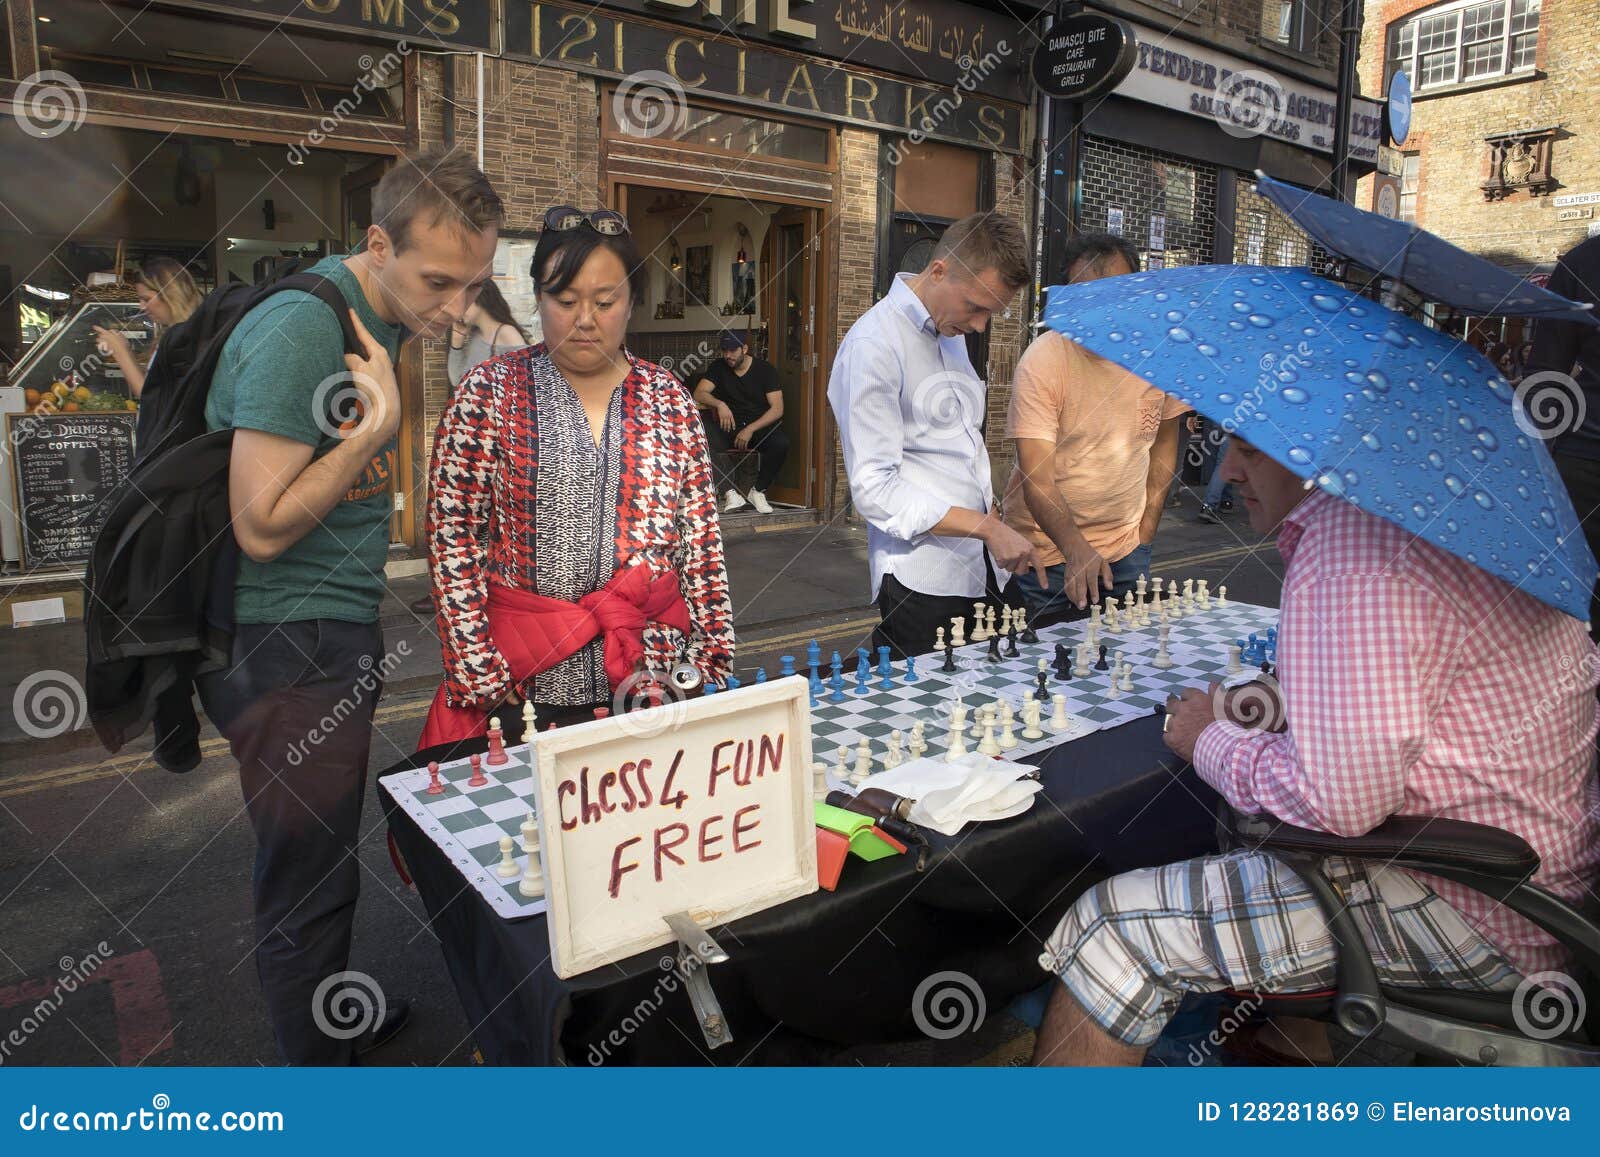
(1402, 420)
(1431, 265)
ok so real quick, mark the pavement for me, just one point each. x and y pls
(109, 860)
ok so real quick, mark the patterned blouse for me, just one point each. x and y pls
(521, 493)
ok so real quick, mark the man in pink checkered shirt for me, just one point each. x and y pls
(1413, 684)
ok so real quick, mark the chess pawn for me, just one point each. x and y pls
(819, 779)
(1127, 676)
(508, 862)
(497, 744)
(1058, 713)
(919, 742)
(938, 639)
(987, 745)
(1008, 735)
(844, 764)
(1222, 595)
(1114, 687)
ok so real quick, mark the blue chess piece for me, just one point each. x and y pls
(785, 666)
(838, 663)
(761, 674)
(863, 668)
(710, 689)
(813, 654)
(837, 683)
(733, 683)
(814, 685)
(885, 671)
(911, 668)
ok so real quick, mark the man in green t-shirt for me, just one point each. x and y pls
(310, 489)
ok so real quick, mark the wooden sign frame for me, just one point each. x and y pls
(580, 941)
(14, 454)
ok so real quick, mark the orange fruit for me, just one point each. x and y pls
(30, 398)
(60, 389)
(71, 407)
(81, 393)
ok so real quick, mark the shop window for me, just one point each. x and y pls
(1461, 42)
(109, 73)
(373, 103)
(1410, 184)
(285, 94)
(934, 180)
(182, 82)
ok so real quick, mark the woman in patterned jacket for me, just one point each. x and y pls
(572, 517)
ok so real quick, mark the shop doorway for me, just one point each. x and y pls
(721, 263)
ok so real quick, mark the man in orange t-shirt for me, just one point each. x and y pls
(1096, 448)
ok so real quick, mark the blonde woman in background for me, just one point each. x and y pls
(168, 295)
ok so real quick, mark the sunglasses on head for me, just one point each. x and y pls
(565, 217)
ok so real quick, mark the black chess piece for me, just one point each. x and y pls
(1266, 668)
(1043, 693)
(994, 649)
(1011, 643)
(1029, 635)
(949, 659)
(1102, 665)
(1063, 662)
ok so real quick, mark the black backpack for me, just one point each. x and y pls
(159, 583)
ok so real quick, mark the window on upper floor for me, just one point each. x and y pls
(1410, 185)
(1461, 42)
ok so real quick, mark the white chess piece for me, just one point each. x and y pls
(1234, 666)
(530, 833)
(1156, 606)
(508, 863)
(1222, 595)
(979, 634)
(1127, 676)
(1188, 596)
(987, 745)
(1163, 660)
(819, 779)
(1173, 599)
(1204, 591)
(1114, 687)
(530, 725)
(988, 626)
(1005, 620)
(1019, 619)
(919, 742)
(843, 771)
(1030, 719)
(532, 884)
(891, 755)
(938, 639)
(1008, 735)
(1140, 587)
(1112, 618)
(958, 718)
(1058, 717)
(863, 766)
(1080, 667)
(957, 745)
(958, 632)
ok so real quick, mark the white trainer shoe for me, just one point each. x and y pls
(734, 501)
(759, 501)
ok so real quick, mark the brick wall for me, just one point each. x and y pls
(541, 147)
(855, 216)
(1448, 135)
(1008, 336)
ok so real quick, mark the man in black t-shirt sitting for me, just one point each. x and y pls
(742, 404)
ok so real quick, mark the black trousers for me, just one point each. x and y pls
(770, 442)
(296, 707)
(910, 620)
(1582, 476)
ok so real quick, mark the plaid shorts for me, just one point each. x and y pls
(1133, 945)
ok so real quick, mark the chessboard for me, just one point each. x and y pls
(467, 822)
(1197, 645)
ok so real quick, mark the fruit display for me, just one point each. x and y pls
(61, 398)
(66, 372)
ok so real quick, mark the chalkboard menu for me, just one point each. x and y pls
(65, 467)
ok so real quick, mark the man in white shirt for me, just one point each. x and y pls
(910, 410)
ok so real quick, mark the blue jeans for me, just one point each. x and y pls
(1051, 606)
(1217, 489)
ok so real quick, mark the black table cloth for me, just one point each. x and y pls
(834, 969)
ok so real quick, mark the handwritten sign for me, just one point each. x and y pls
(701, 806)
(66, 466)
